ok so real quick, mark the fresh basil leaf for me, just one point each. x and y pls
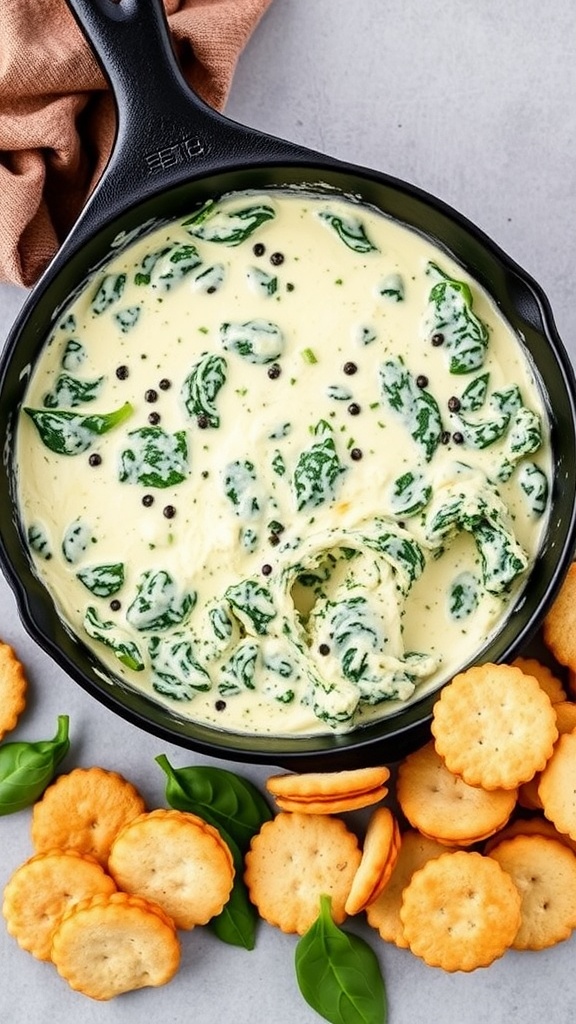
(338, 973)
(416, 407)
(350, 230)
(317, 469)
(225, 799)
(103, 580)
(158, 604)
(173, 267)
(450, 313)
(70, 433)
(154, 458)
(201, 387)
(485, 432)
(212, 224)
(26, 769)
(143, 274)
(257, 341)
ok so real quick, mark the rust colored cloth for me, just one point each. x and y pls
(57, 116)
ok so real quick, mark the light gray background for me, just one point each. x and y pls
(475, 101)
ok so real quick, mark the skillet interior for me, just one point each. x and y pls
(520, 300)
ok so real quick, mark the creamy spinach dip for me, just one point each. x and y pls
(282, 465)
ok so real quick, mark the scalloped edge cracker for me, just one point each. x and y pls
(13, 688)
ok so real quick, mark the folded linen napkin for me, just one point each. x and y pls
(57, 115)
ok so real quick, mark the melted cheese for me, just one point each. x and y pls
(283, 465)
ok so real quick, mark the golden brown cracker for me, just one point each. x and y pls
(458, 913)
(528, 796)
(544, 872)
(43, 889)
(379, 854)
(565, 716)
(495, 726)
(292, 861)
(443, 806)
(549, 682)
(535, 825)
(108, 945)
(177, 860)
(333, 805)
(557, 789)
(559, 627)
(383, 913)
(13, 688)
(326, 785)
(84, 810)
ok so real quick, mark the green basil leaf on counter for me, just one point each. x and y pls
(234, 806)
(154, 458)
(224, 799)
(338, 973)
(103, 580)
(201, 387)
(26, 769)
(213, 225)
(70, 433)
(350, 230)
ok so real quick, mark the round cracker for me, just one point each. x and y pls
(544, 872)
(42, 890)
(13, 687)
(177, 860)
(536, 825)
(565, 716)
(292, 861)
(494, 726)
(557, 789)
(459, 913)
(443, 806)
(108, 945)
(383, 913)
(379, 855)
(333, 805)
(559, 627)
(545, 676)
(322, 785)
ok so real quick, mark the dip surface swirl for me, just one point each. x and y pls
(282, 465)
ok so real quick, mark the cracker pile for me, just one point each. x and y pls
(110, 884)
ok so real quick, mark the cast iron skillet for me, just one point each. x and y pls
(172, 152)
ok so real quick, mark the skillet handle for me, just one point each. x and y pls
(165, 133)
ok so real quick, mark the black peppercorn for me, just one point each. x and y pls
(324, 649)
(122, 372)
(445, 436)
(220, 705)
(94, 459)
(266, 569)
(422, 380)
(350, 369)
(202, 421)
(276, 259)
(274, 371)
(154, 418)
(457, 437)
(454, 404)
(169, 511)
(148, 500)
(151, 395)
(164, 384)
(259, 249)
(354, 409)
(356, 454)
(437, 339)
(115, 605)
